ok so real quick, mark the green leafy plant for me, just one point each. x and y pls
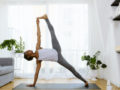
(20, 46)
(11, 44)
(8, 44)
(92, 61)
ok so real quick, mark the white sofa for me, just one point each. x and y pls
(6, 70)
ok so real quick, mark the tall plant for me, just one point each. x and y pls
(92, 61)
(20, 46)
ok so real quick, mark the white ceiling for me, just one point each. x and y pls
(42, 1)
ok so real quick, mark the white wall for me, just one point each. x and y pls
(3, 22)
(106, 39)
(4, 32)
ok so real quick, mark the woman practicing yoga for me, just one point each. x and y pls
(49, 54)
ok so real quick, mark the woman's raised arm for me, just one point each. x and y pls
(38, 35)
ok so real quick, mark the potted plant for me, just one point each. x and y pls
(13, 45)
(9, 44)
(93, 63)
(20, 46)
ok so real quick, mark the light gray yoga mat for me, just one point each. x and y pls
(59, 86)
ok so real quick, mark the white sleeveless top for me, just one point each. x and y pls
(48, 55)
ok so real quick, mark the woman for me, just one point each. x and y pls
(49, 54)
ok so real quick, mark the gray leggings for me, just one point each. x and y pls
(61, 60)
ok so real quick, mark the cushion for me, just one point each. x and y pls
(6, 69)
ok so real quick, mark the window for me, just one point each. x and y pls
(70, 22)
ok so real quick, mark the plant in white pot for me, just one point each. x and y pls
(13, 46)
(19, 47)
(93, 63)
(9, 45)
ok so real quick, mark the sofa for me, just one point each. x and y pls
(6, 70)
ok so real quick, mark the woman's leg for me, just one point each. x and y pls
(55, 42)
(64, 63)
(61, 60)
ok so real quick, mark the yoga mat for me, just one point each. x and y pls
(59, 86)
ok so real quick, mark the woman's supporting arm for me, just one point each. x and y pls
(36, 74)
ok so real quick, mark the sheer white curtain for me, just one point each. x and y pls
(96, 32)
(70, 22)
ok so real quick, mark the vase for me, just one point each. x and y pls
(100, 73)
(18, 55)
(93, 74)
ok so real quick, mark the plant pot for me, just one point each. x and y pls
(18, 54)
(101, 73)
(93, 74)
(12, 52)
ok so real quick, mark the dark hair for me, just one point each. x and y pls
(26, 56)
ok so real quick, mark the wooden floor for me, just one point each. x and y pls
(100, 83)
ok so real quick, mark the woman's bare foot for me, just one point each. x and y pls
(86, 84)
(30, 85)
(43, 17)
